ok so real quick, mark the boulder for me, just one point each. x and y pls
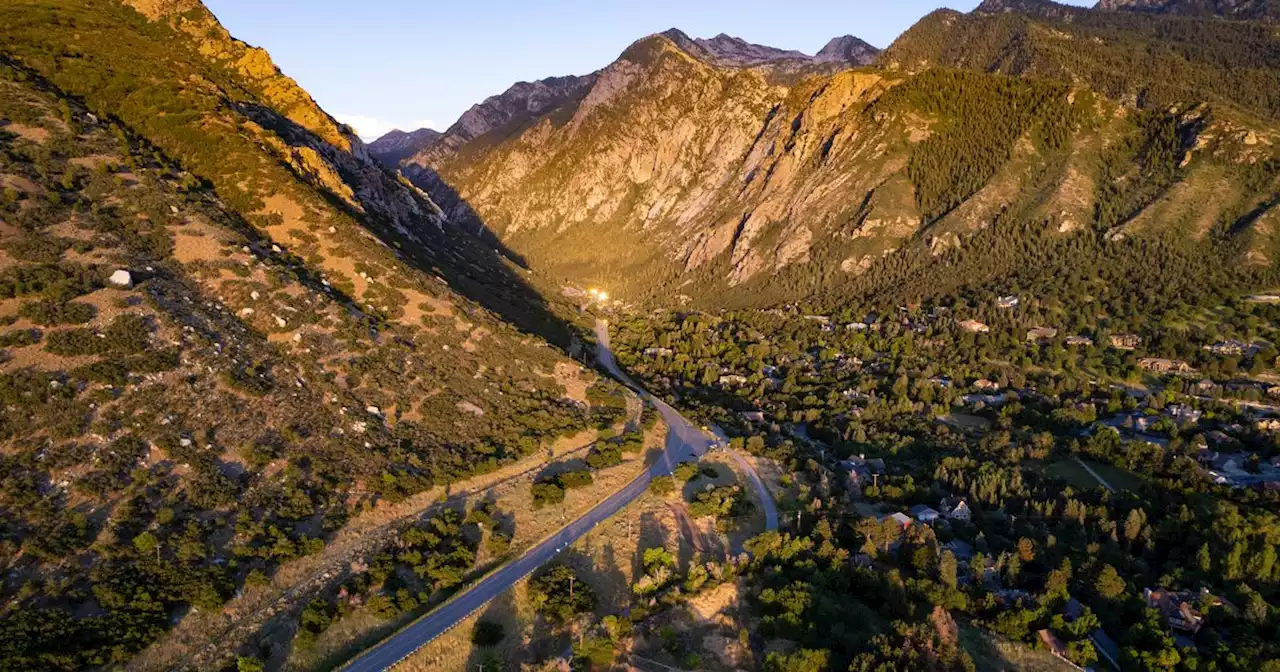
(121, 278)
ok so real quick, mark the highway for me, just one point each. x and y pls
(685, 442)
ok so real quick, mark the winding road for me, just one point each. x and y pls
(685, 442)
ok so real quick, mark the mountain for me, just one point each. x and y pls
(398, 145)
(225, 332)
(507, 111)
(1243, 10)
(678, 178)
(847, 49)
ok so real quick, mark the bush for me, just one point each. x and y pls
(20, 338)
(685, 472)
(662, 486)
(547, 493)
(52, 313)
(603, 456)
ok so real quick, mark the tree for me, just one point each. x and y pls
(1109, 583)
(803, 660)
(147, 543)
(1204, 559)
(249, 664)
(947, 567)
(559, 596)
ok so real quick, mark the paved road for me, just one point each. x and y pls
(684, 442)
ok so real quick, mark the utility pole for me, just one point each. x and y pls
(797, 521)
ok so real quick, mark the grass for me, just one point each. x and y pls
(1078, 477)
(993, 652)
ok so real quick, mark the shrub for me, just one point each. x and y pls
(662, 486)
(604, 456)
(547, 493)
(685, 472)
(52, 313)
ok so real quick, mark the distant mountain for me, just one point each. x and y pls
(847, 49)
(733, 52)
(398, 145)
(689, 167)
(1243, 10)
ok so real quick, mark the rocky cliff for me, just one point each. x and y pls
(398, 145)
(691, 169)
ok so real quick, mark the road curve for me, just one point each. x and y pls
(685, 442)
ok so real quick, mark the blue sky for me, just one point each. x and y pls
(381, 64)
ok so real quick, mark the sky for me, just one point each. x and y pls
(384, 64)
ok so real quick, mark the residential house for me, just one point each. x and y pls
(986, 385)
(1042, 334)
(733, 379)
(956, 509)
(1161, 365)
(974, 327)
(752, 416)
(1269, 425)
(1010, 301)
(1185, 415)
(1176, 607)
(924, 514)
(1125, 341)
(961, 549)
(1206, 386)
(1230, 348)
(1082, 341)
(1274, 392)
(659, 352)
(901, 518)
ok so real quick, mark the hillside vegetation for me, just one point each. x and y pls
(225, 331)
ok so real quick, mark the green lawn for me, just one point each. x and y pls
(1077, 477)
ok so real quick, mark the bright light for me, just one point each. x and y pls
(594, 292)
(604, 296)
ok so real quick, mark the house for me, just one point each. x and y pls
(1185, 414)
(956, 509)
(986, 385)
(924, 513)
(1082, 341)
(1161, 365)
(961, 549)
(1206, 386)
(1274, 392)
(1051, 642)
(659, 352)
(752, 416)
(1072, 610)
(974, 327)
(856, 326)
(1042, 334)
(1230, 348)
(733, 379)
(1125, 341)
(1269, 425)
(901, 518)
(1010, 301)
(1176, 608)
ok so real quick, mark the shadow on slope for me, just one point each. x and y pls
(462, 251)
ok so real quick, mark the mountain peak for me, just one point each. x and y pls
(847, 49)
(1243, 10)
(726, 50)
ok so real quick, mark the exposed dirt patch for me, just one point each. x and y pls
(33, 133)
